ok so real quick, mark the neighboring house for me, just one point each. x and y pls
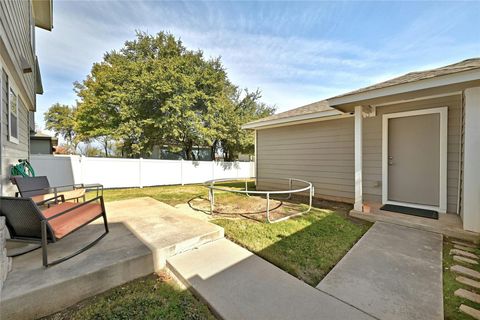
(20, 79)
(201, 154)
(412, 141)
(41, 143)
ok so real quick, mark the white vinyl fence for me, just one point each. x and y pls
(124, 173)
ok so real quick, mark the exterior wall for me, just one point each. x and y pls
(372, 147)
(16, 33)
(471, 174)
(38, 146)
(319, 152)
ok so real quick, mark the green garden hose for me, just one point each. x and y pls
(23, 168)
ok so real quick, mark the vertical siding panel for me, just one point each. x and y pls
(320, 152)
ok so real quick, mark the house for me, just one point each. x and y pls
(41, 143)
(412, 141)
(20, 79)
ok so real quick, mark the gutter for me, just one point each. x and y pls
(304, 118)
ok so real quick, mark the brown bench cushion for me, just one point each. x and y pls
(70, 221)
(69, 195)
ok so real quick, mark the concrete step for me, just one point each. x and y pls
(472, 312)
(166, 230)
(465, 244)
(237, 284)
(466, 271)
(465, 260)
(32, 291)
(468, 282)
(460, 247)
(463, 253)
(465, 294)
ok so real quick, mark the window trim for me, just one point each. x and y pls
(10, 137)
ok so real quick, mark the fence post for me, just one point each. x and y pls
(213, 169)
(140, 172)
(181, 171)
(82, 168)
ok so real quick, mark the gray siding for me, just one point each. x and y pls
(320, 152)
(15, 44)
(40, 147)
(11, 152)
(16, 32)
(372, 147)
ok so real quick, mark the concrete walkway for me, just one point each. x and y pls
(237, 284)
(393, 272)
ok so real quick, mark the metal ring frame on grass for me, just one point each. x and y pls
(309, 187)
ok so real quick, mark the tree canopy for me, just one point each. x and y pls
(60, 118)
(156, 92)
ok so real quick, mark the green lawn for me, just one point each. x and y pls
(451, 302)
(171, 195)
(151, 297)
(307, 247)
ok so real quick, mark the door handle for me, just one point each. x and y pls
(390, 158)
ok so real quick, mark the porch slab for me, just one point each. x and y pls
(448, 224)
(393, 272)
(32, 291)
(143, 234)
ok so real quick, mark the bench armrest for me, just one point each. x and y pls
(61, 196)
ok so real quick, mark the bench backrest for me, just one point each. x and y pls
(32, 186)
(22, 218)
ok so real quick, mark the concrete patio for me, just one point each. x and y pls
(143, 234)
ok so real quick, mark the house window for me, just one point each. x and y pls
(13, 117)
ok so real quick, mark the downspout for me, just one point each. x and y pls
(460, 155)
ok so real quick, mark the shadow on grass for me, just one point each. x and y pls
(307, 247)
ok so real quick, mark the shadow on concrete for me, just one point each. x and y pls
(37, 291)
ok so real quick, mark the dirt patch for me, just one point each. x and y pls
(235, 206)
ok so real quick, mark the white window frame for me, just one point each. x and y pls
(10, 137)
(443, 111)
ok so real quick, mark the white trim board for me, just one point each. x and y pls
(443, 111)
(299, 119)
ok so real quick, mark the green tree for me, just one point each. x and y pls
(60, 119)
(244, 106)
(154, 91)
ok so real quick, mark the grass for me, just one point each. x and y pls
(152, 297)
(171, 195)
(451, 302)
(307, 247)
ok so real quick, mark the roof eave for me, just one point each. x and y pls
(43, 14)
(343, 103)
(292, 120)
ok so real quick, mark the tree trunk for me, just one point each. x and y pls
(213, 150)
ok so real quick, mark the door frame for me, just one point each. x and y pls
(443, 111)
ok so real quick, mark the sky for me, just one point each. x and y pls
(294, 52)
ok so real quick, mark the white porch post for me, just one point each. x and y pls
(358, 205)
(471, 169)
